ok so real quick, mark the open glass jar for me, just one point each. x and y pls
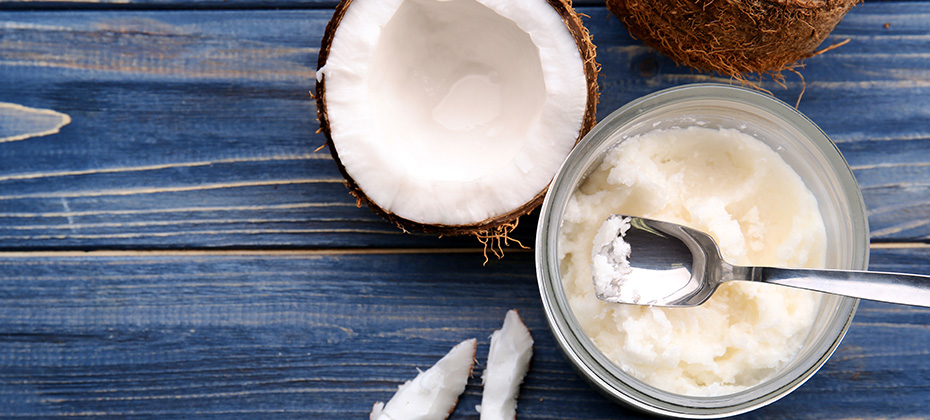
(802, 145)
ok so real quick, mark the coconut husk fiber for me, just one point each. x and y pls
(733, 37)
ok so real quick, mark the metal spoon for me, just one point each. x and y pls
(673, 265)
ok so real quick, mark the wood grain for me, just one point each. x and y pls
(295, 335)
(198, 5)
(204, 4)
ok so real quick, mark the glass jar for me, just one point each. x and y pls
(802, 145)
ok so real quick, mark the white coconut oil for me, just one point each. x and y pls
(737, 189)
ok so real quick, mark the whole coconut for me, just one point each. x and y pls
(733, 37)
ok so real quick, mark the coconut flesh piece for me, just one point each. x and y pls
(433, 393)
(508, 361)
(452, 115)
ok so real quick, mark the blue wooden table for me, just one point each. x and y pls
(173, 244)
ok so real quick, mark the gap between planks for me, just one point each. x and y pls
(245, 252)
(314, 252)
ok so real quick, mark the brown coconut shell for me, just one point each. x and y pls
(733, 37)
(493, 228)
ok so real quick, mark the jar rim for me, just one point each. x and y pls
(605, 376)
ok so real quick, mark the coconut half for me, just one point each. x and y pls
(452, 116)
(433, 394)
(733, 37)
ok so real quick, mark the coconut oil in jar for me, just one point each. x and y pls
(734, 187)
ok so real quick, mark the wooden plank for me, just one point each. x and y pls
(84, 5)
(187, 128)
(187, 5)
(243, 335)
(194, 129)
(201, 4)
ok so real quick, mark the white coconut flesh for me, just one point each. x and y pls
(453, 112)
(508, 362)
(433, 393)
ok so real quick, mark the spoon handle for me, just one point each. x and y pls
(908, 289)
